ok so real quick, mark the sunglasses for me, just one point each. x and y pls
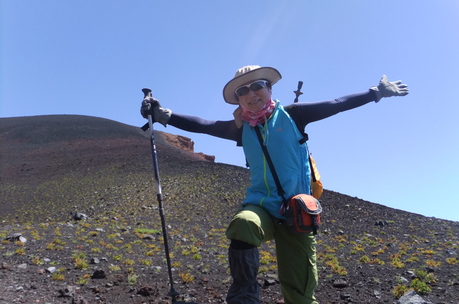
(254, 86)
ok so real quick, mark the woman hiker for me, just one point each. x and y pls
(258, 219)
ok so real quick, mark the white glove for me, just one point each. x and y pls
(389, 89)
(151, 106)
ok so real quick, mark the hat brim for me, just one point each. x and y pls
(266, 73)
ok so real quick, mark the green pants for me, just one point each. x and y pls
(296, 254)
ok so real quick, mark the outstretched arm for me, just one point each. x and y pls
(222, 129)
(304, 113)
(218, 128)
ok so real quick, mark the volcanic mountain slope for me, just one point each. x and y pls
(53, 167)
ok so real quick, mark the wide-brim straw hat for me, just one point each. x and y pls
(245, 75)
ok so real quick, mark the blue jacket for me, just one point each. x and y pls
(290, 158)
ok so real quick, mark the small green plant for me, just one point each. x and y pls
(43, 226)
(80, 263)
(58, 241)
(379, 251)
(359, 248)
(37, 261)
(263, 269)
(452, 261)
(132, 278)
(137, 242)
(264, 261)
(58, 276)
(142, 231)
(186, 277)
(421, 274)
(113, 235)
(114, 268)
(425, 276)
(146, 262)
(430, 278)
(329, 249)
(420, 287)
(82, 280)
(96, 250)
(79, 260)
(57, 231)
(399, 291)
(196, 257)
(35, 235)
(397, 263)
(128, 262)
(432, 263)
(412, 259)
(118, 257)
(364, 259)
(373, 243)
(177, 264)
(266, 258)
(333, 263)
(93, 233)
(78, 254)
(111, 247)
(20, 251)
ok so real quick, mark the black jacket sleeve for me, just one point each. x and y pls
(304, 113)
(223, 129)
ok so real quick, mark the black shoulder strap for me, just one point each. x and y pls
(271, 167)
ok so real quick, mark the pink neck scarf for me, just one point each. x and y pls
(260, 117)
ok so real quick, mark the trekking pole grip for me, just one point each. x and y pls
(146, 92)
(298, 91)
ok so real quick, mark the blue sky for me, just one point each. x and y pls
(94, 57)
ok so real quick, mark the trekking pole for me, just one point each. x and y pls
(298, 91)
(173, 293)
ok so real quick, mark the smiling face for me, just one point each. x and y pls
(255, 100)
